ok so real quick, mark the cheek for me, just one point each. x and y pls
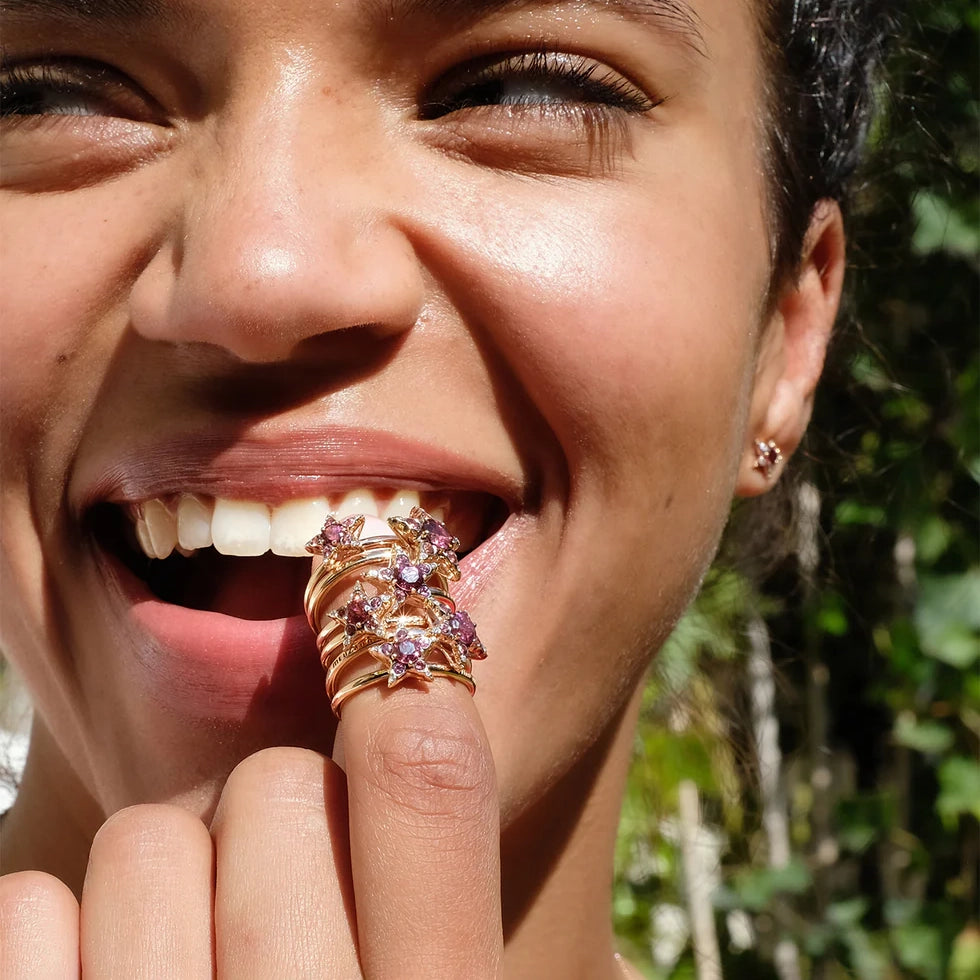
(631, 328)
(68, 260)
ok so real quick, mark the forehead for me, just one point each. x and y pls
(680, 20)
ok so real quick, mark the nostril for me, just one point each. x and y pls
(264, 281)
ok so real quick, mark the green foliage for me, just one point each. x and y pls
(877, 656)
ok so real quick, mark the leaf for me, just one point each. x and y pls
(964, 961)
(920, 948)
(929, 737)
(940, 227)
(959, 790)
(856, 512)
(947, 616)
(831, 616)
(757, 887)
(847, 913)
(932, 539)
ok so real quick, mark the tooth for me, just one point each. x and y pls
(143, 536)
(240, 527)
(438, 512)
(161, 527)
(194, 521)
(294, 523)
(401, 504)
(357, 502)
(374, 527)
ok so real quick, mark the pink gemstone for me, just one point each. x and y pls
(463, 628)
(438, 534)
(359, 613)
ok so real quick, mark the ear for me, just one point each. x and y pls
(793, 348)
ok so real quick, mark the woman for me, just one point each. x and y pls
(565, 271)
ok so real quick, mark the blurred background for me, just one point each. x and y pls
(805, 794)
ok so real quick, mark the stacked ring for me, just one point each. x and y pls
(398, 614)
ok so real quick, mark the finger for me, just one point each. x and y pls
(424, 833)
(38, 928)
(283, 902)
(147, 899)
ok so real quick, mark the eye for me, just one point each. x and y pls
(72, 87)
(533, 79)
(71, 122)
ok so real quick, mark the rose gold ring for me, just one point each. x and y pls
(365, 681)
(398, 611)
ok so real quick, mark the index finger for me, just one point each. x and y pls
(424, 834)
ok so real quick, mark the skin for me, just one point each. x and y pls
(585, 317)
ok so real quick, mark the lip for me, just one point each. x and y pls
(211, 665)
(277, 468)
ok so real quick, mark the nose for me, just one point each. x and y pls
(281, 237)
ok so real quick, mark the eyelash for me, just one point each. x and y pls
(600, 88)
(25, 88)
(479, 83)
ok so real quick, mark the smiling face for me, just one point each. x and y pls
(259, 259)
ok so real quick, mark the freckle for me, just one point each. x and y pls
(325, 90)
(62, 358)
(669, 501)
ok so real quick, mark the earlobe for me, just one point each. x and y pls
(791, 355)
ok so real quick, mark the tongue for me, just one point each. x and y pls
(267, 587)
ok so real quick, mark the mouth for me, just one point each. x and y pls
(247, 558)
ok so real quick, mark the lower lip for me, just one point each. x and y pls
(213, 666)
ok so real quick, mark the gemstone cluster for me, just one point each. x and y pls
(400, 611)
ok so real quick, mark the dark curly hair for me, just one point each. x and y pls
(823, 84)
(822, 62)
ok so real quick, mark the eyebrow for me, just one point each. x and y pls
(675, 17)
(83, 9)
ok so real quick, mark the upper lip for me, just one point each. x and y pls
(277, 467)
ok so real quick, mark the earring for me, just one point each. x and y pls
(768, 457)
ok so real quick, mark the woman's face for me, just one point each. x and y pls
(507, 255)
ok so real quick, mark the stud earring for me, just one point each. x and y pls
(768, 457)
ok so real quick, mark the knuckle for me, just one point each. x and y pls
(267, 765)
(31, 897)
(147, 825)
(435, 764)
(146, 837)
(280, 779)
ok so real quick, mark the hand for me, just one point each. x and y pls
(286, 883)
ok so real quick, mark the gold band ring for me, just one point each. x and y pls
(375, 677)
(407, 620)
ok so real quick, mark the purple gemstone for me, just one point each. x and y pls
(407, 653)
(398, 669)
(463, 628)
(409, 577)
(333, 532)
(360, 613)
(438, 534)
